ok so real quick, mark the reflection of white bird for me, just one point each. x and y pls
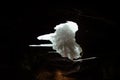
(63, 40)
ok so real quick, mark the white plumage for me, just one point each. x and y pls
(63, 40)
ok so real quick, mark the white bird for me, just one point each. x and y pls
(63, 40)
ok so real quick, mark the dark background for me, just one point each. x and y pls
(98, 34)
